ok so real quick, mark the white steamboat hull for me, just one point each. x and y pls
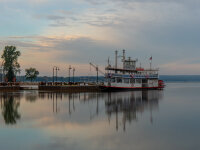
(124, 86)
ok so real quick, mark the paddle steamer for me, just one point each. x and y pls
(130, 77)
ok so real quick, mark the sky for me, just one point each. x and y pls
(67, 32)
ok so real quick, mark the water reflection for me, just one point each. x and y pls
(130, 104)
(123, 107)
(121, 120)
(31, 96)
(9, 105)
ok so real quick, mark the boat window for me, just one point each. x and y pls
(152, 80)
(138, 81)
(126, 80)
(119, 80)
(112, 79)
(132, 80)
(144, 80)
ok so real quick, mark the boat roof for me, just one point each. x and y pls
(130, 70)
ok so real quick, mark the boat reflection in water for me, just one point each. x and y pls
(124, 106)
(117, 107)
(138, 120)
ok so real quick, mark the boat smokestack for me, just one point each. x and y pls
(124, 56)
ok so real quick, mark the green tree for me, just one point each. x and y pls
(10, 74)
(10, 62)
(31, 74)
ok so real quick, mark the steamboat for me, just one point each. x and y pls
(130, 77)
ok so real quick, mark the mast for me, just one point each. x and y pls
(116, 55)
(124, 57)
(150, 59)
(108, 61)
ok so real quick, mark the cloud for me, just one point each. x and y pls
(141, 1)
(54, 17)
(87, 30)
(90, 17)
(61, 51)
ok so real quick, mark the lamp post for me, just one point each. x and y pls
(73, 74)
(53, 75)
(55, 68)
(69, 72)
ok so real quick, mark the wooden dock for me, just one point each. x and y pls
(70, 88)
(9, 88)
(56, 87)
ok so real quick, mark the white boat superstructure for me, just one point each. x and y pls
(131, 77)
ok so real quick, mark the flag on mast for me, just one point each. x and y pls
(150, 59)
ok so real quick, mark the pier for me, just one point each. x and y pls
(55, 87)
(9, 88)
(16, 86)
(70, 88)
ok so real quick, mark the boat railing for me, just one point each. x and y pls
(110, 75)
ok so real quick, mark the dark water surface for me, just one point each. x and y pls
(139, 120)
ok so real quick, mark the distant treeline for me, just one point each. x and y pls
(166, 78)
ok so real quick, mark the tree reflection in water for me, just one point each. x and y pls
(10, 109)
(124, 106)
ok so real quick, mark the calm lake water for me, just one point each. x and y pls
(139, 120)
